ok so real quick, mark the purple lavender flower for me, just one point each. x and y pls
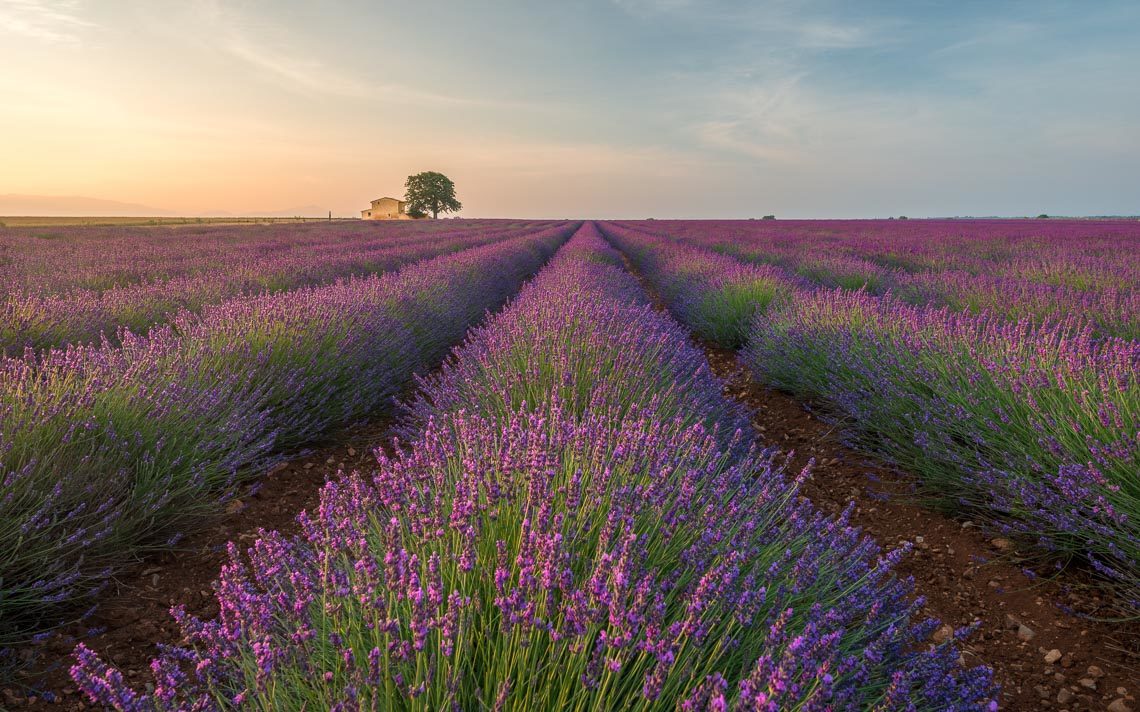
(579, 521)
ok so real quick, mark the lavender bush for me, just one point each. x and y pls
(1013, 268)
(1032, 423)
(90, 283)
(1033, 426)
(108, 449)
(595, 539)
(714, 295)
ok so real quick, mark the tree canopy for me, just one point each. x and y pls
(430, 192)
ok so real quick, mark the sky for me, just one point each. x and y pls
(576, 108)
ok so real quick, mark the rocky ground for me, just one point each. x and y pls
(1045, 658)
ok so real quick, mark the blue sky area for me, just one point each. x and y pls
(625, 108)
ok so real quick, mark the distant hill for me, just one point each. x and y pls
(303, 211)
(15, 204)
(67, 205)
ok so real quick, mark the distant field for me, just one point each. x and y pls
(34, 221)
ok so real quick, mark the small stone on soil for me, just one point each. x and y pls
(943, 633)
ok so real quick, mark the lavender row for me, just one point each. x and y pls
(577, 525)
(58, 260)
(713, 294)
(1034, 427)
(41, 319)
(1083, 254)
(1041, 270)
(105, 451)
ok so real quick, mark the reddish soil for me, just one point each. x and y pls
(134, 614)
(964, 575)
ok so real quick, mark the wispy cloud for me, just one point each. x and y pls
(608, 106)
(762, 122)
(285, 63)
(57, 22)
(562, 159)
(740, 138)
(991, 36)
(790, 26)
(816, 34)
(649, 7)
(307, 75)
(315, 77)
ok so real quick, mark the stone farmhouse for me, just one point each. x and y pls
(386, 209)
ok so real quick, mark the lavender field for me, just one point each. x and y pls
(73, 284)
(112, 446)
(575, 515)
(997, 360)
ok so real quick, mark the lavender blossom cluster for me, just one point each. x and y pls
(1039, 270)
(88, 283)
(1035, 427)
(1029, 423)
(107, 450)
(577, 524)
(714, 295)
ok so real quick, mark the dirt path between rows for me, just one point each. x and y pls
(1044, 658)
(134, 614)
